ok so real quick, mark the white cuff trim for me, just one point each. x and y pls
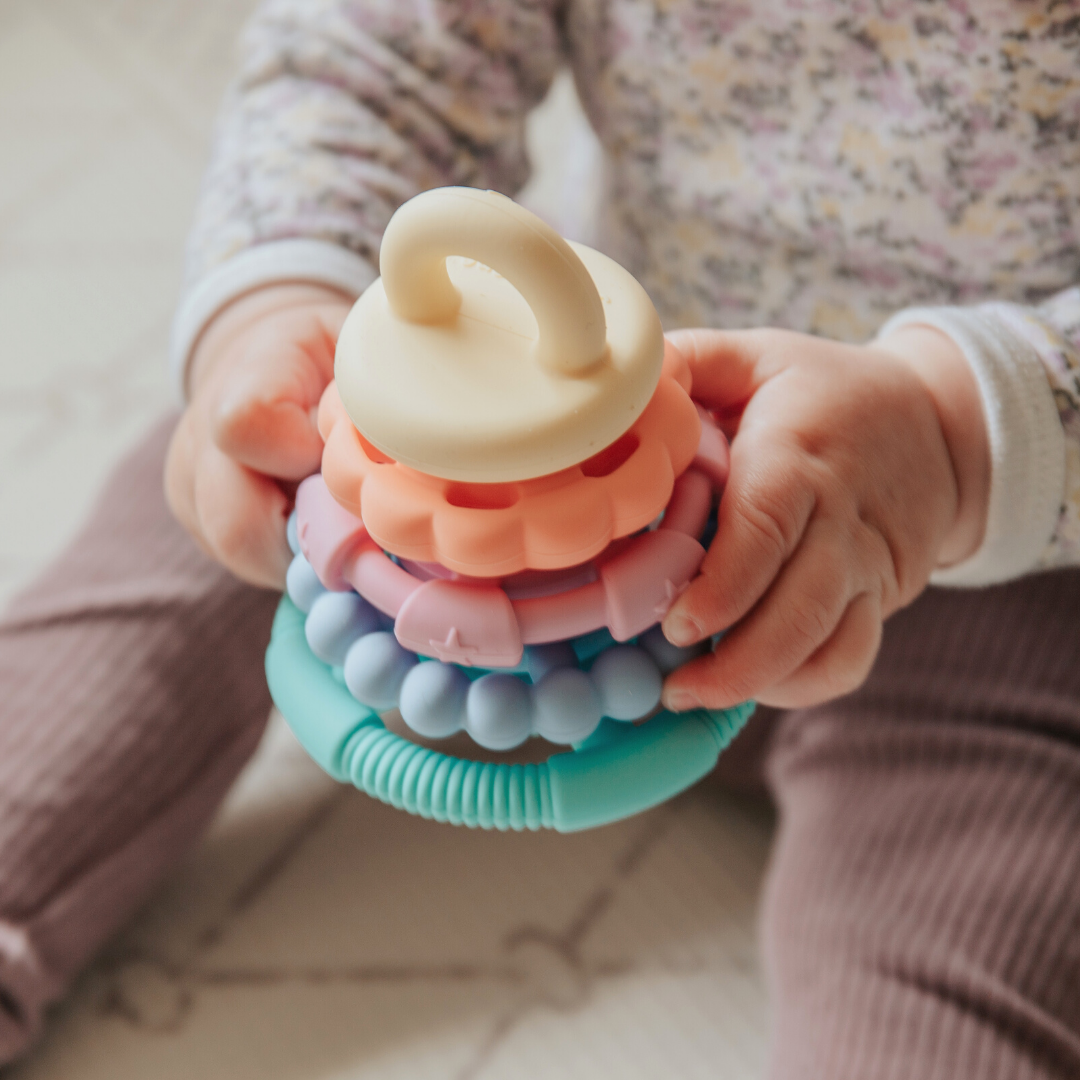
(1027, 445)
(273, 263)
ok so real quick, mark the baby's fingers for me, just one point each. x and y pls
(763, 515)
(263, 408)
(264, 417)
(797, 616)
(727, 366)
(241, 518)
(840, 666)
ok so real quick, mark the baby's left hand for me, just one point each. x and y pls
(855, 471)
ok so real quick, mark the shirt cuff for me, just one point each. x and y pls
(312, 261)
(1027, 445)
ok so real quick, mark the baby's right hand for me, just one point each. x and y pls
(249, 434)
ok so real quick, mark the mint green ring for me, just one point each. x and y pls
(620, 770)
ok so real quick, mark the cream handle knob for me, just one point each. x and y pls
(548, 354)
(495, 231)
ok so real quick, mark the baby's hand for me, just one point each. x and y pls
(855, 471)
(248, 434)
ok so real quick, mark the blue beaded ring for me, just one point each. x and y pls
(619, 770)
(559, 690)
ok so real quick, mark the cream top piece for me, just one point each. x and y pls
(491, 350)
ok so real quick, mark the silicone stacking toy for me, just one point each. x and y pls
(514, 490)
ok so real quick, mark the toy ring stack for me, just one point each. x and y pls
(515, 488)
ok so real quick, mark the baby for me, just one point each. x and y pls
(832, 170)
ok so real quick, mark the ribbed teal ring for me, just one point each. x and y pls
(618, 771)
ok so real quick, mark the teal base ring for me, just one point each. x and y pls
(620, 770)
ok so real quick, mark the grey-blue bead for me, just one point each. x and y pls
(335, 621)
(628, 682)
(292, 535)
(566, 706)
(302, 584)
(432, 700)
(538, 660)
(667, 656)
(375, 668)
(499, 711)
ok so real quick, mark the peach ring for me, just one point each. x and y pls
(547, 523)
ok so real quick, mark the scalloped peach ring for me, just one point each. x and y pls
(546, 523)
(486, 624)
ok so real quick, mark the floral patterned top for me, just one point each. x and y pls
(812, 164)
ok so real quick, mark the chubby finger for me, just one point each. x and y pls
(727, 366)
(241, 516)
(263, 406)
(798, 614)
(840, 666)
(762, 517)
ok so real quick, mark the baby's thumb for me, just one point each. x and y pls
(265, 412)
(724, 365)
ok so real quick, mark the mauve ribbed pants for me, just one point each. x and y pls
(922, 910)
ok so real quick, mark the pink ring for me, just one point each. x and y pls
(486, 624)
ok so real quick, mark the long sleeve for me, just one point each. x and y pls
(1052, 330)
(342, 110)
(1026, 360)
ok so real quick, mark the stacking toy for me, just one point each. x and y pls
(515, 488)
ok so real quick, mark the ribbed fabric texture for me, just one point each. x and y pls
(132, 689)
(922, 916)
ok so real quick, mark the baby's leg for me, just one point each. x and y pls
(132, 692)
(922, 916)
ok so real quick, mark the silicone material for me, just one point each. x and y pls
(620, 771)
(475, 623)
(623, 681)
(506, 439)
(553, 692)
(465, 374)
(546, 523)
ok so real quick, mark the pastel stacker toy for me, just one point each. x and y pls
(514, 489)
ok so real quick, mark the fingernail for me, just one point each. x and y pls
(681, 629)
(681, 700)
